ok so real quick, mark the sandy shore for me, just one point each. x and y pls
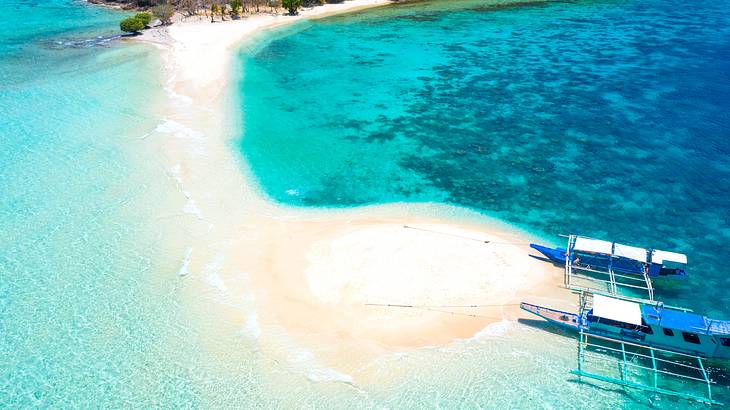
(319, 278)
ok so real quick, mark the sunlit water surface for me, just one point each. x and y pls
(604, 118)
(607, 119)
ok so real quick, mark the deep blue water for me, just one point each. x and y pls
(604, 118)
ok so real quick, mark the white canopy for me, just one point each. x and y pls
(592, 245)
(617, 309)
(658, 256)
(630, 252)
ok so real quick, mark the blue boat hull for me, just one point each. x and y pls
(555, 255)
(652, 339)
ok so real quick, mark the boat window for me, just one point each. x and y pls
(667, 332)
(691, 338)
(725, 341)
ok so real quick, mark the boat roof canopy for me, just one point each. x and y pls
(719, 327)
(684, 321)
(583, 244)
(663, 257)
(617, 309)
(630, 252)
(688, 321)
(592, 245)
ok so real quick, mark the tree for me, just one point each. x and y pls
(144, 17)
(131, 25)
(236, 8)
(164, 12)
(292, 6)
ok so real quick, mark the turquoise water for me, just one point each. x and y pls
(84, 300)
(92, 311)
(605, 118)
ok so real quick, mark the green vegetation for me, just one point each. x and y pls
(145, 17)
(164, 12)
(165, 9)
(291, 6)
(214, 9)
(131, 25)
(236, 7)
(136, 23)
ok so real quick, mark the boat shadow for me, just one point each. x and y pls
(544, 259)
(547, 327)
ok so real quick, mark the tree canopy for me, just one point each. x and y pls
(236, 6)
(132, 25)
(144, 17)
(291, 5)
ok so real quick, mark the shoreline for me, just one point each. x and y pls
(310, 275)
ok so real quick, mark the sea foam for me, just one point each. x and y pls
(251, 327)
(212, 269)
(315, 371)
(195, 138)
(186, 263)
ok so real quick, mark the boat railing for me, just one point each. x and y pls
(588, 348)
(568, 264)
(656, 303)
(656, 349)
(714, 327)
(636, 366)
(607, 272)
(617, 278)
(614, 283)
(649, 286)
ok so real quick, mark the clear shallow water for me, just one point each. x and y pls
(89, 304)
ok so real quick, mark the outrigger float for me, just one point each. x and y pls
(659, 349)
(613, 266)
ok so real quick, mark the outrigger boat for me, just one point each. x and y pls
(613, 267)
(653, 325)
(598, 254)
(650, 337)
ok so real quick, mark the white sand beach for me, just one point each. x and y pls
(320, 277)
